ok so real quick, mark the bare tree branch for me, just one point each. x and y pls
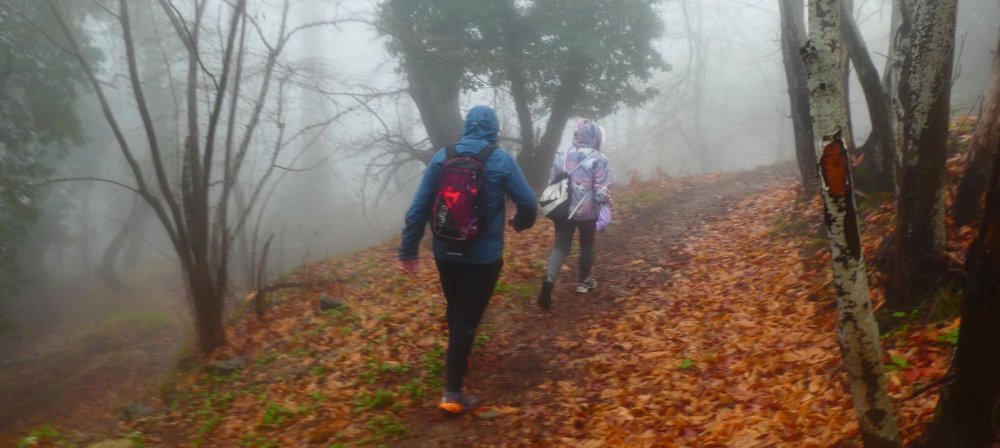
(154, 145)
(143, 187)
(47, 182)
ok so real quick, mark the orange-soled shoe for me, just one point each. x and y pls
(457, 403)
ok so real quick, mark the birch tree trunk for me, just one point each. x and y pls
(858, 333)
(923, 110)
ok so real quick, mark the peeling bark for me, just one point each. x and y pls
(858, 332)
(922, 108)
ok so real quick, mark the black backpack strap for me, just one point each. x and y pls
(484, 154)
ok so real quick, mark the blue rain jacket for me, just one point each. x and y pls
(505, 180)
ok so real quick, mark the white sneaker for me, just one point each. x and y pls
(586, 285)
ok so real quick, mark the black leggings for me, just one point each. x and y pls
(467, 288)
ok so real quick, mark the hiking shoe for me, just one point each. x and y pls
(545, 296)
(457, 403)
(586, 285)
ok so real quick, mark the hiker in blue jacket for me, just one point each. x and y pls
(469, 271)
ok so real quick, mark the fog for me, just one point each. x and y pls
(722, 106)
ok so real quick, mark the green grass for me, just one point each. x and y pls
(138, 440)
(275, 415)
(951, 337)
(44, 434)
(212, 411)
(415, 388)
(481, 339)
(367, 401)
(143, 322)
(266, 358)
(520, 290)
(385, 427)
(434, 362)
(258, 441)
(375, 370)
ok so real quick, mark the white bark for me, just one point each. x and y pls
(858, 333)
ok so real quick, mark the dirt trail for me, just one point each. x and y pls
(533, 354)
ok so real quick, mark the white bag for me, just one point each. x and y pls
(555, 198)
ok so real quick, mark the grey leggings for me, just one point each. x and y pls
(563, 241)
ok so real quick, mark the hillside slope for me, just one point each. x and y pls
(713, 325)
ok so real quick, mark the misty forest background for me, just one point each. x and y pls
(165, 167)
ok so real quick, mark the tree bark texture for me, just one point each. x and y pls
(968, 411)
(436, 99)
(923, 110)
(536, 163)
(858, 331)
(792, 35)
(899, 38)
(878, 147)
(983, 149)
(434, 82)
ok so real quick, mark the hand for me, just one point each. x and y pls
(513, 226)
(409, 267)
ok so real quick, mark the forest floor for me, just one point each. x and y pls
(80, 351)
(713, 324)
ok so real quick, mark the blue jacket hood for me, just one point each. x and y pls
(481, 124)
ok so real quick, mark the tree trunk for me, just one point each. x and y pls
(702, 149)
(983, 149)
(967, 413)
(858, 335)
(792, 35)
(518, 83)
(86, 234)
(899, 31)
(536, 163)
(923, 101)
(437, 101)
(878, 147)
(434, 87)
(207, 298)
(106, 269)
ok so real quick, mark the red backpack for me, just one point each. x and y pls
(459, 212)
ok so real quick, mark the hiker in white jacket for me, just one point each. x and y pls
(590, 190)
